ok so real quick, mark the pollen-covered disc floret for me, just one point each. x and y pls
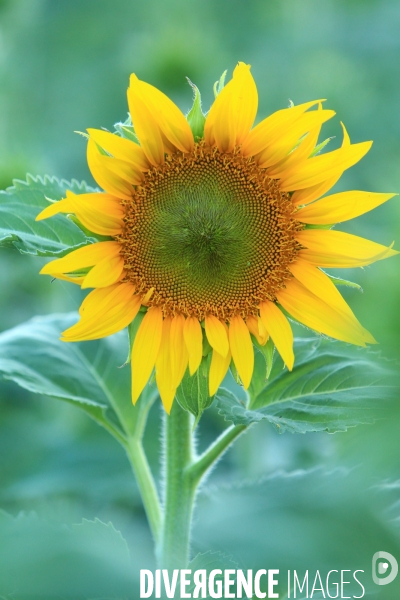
(210, 234)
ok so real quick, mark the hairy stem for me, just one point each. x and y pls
(141, 469)
(173, 550)
(199, 468)
(146, 485)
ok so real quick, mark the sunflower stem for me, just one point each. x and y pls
(179, 490)
(137, 457)
(147, 487)
(202, 465)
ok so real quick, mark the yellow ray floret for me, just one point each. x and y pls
(193, 336)
(83, 257)
(121, 149)
(332, 249)
(104, 273)
(242, 349)
(280, 331)
(317, 282)
(104, 312)
(163, 367)
(100, 213)
(320, 316)
(218, 368)
(301, 152)
(341, 207)
(179, 353)
(325, 166)
(233, 112)
(257, 328)
(100, 167)
(269, 131)
(275, 153)
(168, 116)
(216, 334)
(145, 350)
(146, 127)
(309, 194)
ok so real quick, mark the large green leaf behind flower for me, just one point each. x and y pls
(86, 374)
(333, 386)
(19, 206)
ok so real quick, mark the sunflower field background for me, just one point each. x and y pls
(312, 501)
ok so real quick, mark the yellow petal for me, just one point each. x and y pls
(341, 207)
(273, 127)
(216, 334)
(145, 350)
(120, 148)
(218, 369)
(100, 213)
(62, 206)
(106, 179)
(233, 111)
(316, 314)
(322, 286)
(178, 350)
(163, 367)
(280, 331)
(331, 249)
(246, 101)
(122, 170)
(77, 280)
(322, 167)
(170, 119)
(274, 153)
(101, 299)
(316, 191)
(106, 311)
(300, 153)
(311, 193)
(257, 328)
(145, 123)
(193, 336)
(105, 273)
(88, 256)
(242, 349)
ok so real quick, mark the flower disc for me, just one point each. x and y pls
(208, 233)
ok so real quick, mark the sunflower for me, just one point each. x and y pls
(214, 238)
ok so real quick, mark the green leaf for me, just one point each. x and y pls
(46, 559)
(220, 84)
(289, 516)
(86, 374)
(19, 206)
(320, 147)
(192, 394)
(195, 116)
(126, 130)
(339, 281)
(213, 560)
(210, 561)
(333, 386)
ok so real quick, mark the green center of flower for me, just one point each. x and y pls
(209, 233)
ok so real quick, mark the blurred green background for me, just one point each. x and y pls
(64, 66)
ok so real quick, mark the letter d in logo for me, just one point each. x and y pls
(385, 559)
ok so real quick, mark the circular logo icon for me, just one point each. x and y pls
(381, 573)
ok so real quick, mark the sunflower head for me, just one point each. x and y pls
(210, 245)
